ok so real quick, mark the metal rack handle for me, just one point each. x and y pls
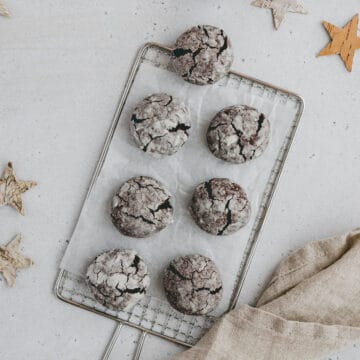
(115, 336)
(110, 345)
(140, 345)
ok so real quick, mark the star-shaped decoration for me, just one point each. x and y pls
(344, 41)
(280, 8)
(11, 259)
(3, 10)
(11, 189)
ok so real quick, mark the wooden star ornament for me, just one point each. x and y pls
(344, 41)
(3, 10)
(11, 259)
(280, 8)
(11, 189)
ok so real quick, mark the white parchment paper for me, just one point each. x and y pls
(181, 173)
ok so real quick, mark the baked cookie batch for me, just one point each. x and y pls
(160, 125)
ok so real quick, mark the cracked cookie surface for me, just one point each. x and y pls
(160, 124)
(238, 134)
(118, 279)
(220, 206)
(202, 55)
(193, 284)
(141, 207)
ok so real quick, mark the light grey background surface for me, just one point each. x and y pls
(62, 68)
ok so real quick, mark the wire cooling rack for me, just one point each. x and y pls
(150, 315)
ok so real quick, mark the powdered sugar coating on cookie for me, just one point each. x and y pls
(220, 206)
(160, 124)
(238, 134)
(118, 279)
(193, 284)
(203, 55)
(141, 207)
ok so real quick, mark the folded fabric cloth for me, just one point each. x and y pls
(310, 309)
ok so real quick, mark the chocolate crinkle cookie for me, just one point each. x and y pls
(203, 55)
(141, 207)
(118, 279)
(160, 124)
(238, 134)
(193, 284)
(220, 206)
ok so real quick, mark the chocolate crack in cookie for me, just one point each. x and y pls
(220, 206)
(141, 207)
(203, 55)
(160, 124)
(118, 279)
(193, 284)
(238, 134)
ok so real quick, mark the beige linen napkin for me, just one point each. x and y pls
(310, 308)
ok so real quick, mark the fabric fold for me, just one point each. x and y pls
(310, 309)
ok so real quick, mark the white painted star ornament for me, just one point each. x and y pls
(11, 259)
(279, 8)
(11, 189)
(3, 10)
